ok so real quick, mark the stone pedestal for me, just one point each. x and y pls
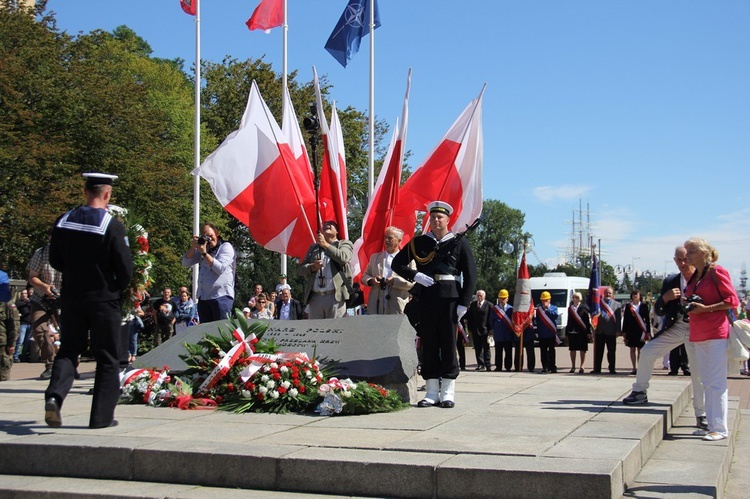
(376, 348)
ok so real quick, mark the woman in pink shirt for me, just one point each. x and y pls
(708, 295)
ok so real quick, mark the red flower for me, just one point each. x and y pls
(281, 390)
(302, 388)
(219, 399)
(260, 396)
(230, 387)
(295, 382)
(143, 244)
(276, 376)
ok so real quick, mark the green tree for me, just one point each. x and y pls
(495, 269)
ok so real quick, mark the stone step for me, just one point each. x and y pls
(31, 487)
(683, 464)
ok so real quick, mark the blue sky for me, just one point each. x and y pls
(640, 108)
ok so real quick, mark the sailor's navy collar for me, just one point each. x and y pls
(86, 219)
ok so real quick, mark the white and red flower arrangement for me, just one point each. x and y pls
(241, 372)
(143, 261)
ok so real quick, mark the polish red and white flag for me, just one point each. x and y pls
(452, 173)
(379, 214)
(248, 171)
(523, 303)
(332, 192)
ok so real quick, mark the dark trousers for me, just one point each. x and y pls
(437, 329)
(611, 343)
(678, 359)
(481, 350)
(103, 320)
(506, 348)
(528, 354)
(216, 309)
(547, 354)
(461, 351)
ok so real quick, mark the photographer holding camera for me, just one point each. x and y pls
(216, 260)
(390, 292)
(709, 329)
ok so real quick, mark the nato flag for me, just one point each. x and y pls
(352, 26)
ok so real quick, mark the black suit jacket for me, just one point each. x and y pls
(478, 317)
(295, 310)
(669, 310)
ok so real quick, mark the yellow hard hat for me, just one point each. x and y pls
(545, 296)
(503, 293)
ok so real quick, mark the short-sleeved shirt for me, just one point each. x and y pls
(47, 274)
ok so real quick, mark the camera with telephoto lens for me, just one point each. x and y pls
(202, 240)
(690, 302)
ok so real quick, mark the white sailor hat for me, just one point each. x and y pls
(93, 179)
(440, 207)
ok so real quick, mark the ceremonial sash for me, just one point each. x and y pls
(547, 321)
(502, 315)
(638, 319)
(609, 311)
(574, 313)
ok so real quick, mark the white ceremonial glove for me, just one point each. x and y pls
(424, 279)
(460, 311)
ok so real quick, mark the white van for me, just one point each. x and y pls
(561, 287)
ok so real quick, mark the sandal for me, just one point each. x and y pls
(580, 371)
(572, 369)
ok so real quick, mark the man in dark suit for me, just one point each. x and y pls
(477, 317)
(288, 308)
(674, 331)
(607, 331)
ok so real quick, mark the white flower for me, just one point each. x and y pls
(346, 393)
(286, 384)
(284, 369)
(271, 384)
(274, 365)
(246, 394)
(308, 373)
(263, 390)
(324, 389)
(274, 394)
(264, 378)
(293, 393)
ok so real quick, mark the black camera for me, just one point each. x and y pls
(383, 283)
(689, 303)
(202, 240)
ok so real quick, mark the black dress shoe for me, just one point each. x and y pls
(47, 374)
(447, 404)
(426, 403)
(52, 413)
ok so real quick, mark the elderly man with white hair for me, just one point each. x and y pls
(390, 292)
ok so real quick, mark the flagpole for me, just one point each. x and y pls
(371, 164)
(284, 31)
(197, 142)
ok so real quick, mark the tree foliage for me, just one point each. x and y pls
(495, 269)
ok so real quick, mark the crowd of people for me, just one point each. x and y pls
(430, 280)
